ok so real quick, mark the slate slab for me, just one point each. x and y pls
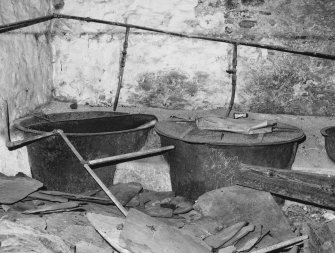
(19, 238)
(124, 192)
(142, 233)
(237, 203)
(13, 189)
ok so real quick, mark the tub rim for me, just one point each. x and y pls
(297, 139)
(18, 123)
(324, 133)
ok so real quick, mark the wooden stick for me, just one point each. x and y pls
(133, 155)
(91, 172)
(122, 65)
(282, 244)
(233, 71)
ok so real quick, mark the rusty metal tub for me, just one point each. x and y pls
(205, 160)
(96, 134)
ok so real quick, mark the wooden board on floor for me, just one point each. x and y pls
(302, 186)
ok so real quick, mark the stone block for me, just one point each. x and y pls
(152, 173)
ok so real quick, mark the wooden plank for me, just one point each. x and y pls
(306, 187)
(305, 177)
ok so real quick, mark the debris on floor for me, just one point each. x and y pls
(53, 221)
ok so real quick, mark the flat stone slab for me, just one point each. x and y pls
(236, 203)
(13, 189)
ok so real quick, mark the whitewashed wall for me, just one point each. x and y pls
(177, 73)
(25, 71)
(161, 71)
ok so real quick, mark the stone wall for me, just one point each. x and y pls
(26, 71)
(177, 73)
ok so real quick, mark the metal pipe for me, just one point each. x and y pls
(233, 72)
(18, 25)
(122, 65)
(91, 172)
(12, 145)
(133, 155)
(146, 125)
(231, 41)
(281, 244)
(4, 106)
(24, 23)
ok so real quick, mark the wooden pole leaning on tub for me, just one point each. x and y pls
(91, 172)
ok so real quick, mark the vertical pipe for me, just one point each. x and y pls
(122, 64)
(4, 106)
(233, 72)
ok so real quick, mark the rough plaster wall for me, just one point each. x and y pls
(26, 72)
(162, 71)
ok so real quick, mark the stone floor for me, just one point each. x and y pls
(311, 155)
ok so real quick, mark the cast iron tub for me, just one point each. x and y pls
(205, 160)
(95, 134)
(329, 134)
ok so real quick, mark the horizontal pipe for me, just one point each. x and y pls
(231, 41)
(133, 155)
(21, 24)
(12, 145)
(24, 23)
(146, 125)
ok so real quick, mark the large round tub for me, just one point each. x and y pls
(95, 134)
(205, 160)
